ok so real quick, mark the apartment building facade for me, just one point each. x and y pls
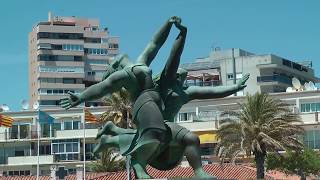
(67, 54)
(268, 73)
(62, 143)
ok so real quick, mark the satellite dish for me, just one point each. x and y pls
(290, 89)
(312, 86)
(5, 108)
(25, 104)
(307, 87)
(36, 105)
(296, 83)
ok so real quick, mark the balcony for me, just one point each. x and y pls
(275, 78)
(204, 83)
(90, 133)
(30, 160)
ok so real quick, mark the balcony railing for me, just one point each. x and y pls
(30, 160)
(204, 83)
(275, 78)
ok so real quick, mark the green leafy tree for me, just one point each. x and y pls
(302, 163)
(263, 124)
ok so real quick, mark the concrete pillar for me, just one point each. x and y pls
(79, 169)
(53, 170)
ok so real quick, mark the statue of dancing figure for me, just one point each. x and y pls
(170, 85)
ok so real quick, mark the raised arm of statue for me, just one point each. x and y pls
(157, 41)
(196, 92)
(168, 75)
(113, 83)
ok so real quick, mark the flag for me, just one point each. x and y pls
(6, 121)
(45, 118)
(89, 117)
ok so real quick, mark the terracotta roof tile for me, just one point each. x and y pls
(224, 171)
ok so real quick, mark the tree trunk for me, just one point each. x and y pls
(302, 175)
(259, 158)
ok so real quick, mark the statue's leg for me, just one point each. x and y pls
(106, 142)
(192, 153)
(111, 129)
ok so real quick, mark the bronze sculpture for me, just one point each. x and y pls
(157, 141)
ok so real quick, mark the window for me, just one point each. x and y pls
(310, 107)
(49, 102)
(49, 35)
(72, 47)
(189, 116)
(65, 69)
(76, 124)
(113, 46)
(92, 40)
(44, 46)
(95, 51)
(69, 81)
(24, 131)
(311, 139)
(66, 149)
(230, 76)
(67, 125)
(45, 130)
(58, 91)
(47, 57)
(14, 132)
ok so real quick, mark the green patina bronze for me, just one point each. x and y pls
(157, 140)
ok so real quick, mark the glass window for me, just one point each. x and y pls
(61, 148)
(68, 147)
(303, 108)
(307, 108)
(55, 148)
(24, 131)
(313, 107)
(318, 106)
(14, 132)
(76, 124)
(230, 76)
(67, 125)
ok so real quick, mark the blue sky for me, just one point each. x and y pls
(290, 29)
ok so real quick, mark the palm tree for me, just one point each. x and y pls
(119, 112)
(109, 162)
(263, 124)
(119, 109)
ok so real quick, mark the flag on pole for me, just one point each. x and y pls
(89, 117)
(45, 118)
(6, 121)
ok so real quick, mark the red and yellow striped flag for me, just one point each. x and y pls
(89, 117)
(6, 121)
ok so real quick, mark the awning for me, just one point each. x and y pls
(207, 137)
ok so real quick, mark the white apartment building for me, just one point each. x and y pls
(61, 144)
(269, 73)
(67, 54)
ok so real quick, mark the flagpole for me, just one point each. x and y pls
(84, 144)
(128, 158)
(38, 161)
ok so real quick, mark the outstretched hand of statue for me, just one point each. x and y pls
(72, 101)
(242, 82)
